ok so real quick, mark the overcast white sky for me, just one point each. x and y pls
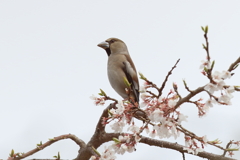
(50, 65)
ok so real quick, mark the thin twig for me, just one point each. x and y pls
(166, 78)
(233, 65)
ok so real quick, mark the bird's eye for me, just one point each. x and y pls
(111, 41)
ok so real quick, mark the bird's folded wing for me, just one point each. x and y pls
(131, 76)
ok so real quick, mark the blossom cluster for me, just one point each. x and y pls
(161, 112)
(192, 146)
(98, 100)
(124, 143)
(216, 84)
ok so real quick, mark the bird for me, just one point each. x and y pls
(119, 67)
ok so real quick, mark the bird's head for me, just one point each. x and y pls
(113, 45)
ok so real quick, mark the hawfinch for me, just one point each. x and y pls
(120, 67)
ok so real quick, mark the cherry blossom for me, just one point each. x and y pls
(98, 101)
(205, 63)
(211, 88)
(117, 126)
(226, 74)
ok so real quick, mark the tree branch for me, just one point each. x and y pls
(40, 147)
(165, 81)
(234, 64)
(178, 147)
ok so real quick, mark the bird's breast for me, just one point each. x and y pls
(116, 75)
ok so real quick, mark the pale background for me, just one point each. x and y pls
(50, 65)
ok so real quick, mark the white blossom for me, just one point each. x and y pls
(205, 140)
(156, 116)
(211, 88)
(205, 63)
(120, 107)
(142, 89)
(198, 150)
(209, 103)
(230, 89)
(172, 103)
(117, 126)
(181, 118)
(133, 128)
(152, 134)
(189, 150)
(226, 74)
(225, 99)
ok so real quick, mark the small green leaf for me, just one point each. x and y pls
(39, 143)
(58, 156)
(205, 69)
(116, 140)
(232, 149)
(203, 28)
(206, 29)
(102, 93)
(216, 141)
(142, 76)
(213, 63)
(12, 153)
(204, 47)
(126, 82)
(96, 151)
(110, 113)
(237, 87)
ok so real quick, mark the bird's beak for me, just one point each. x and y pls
(103, 45)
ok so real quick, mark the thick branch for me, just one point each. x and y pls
(169, 145)
(98, 138)
(189, 96)
(177, 147)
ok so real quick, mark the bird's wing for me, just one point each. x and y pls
(131, 76)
